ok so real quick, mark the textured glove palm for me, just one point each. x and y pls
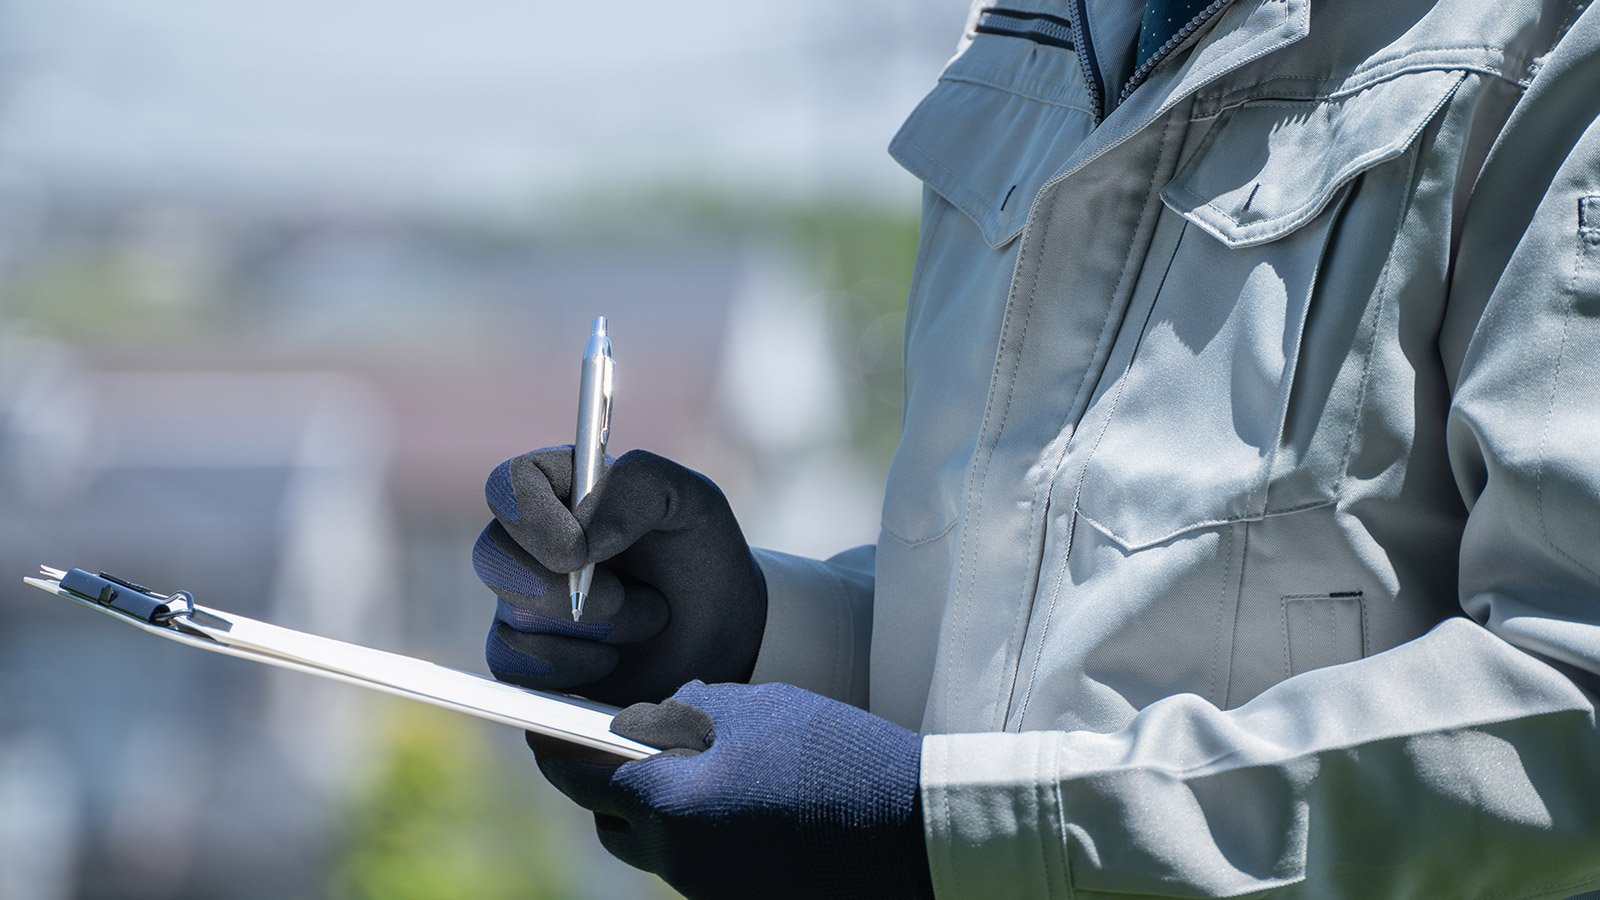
(677, 594)
(769, 791)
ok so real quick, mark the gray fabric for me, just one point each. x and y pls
(817, 632)
(1243, 533)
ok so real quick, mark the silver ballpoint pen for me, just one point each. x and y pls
(589, 450)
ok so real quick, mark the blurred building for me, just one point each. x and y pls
(280, 284)
(156, 773)
(319, 464)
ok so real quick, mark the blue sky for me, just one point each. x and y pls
(487, 105)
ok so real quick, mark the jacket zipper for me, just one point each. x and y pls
(1086, 58)
(1142, 73)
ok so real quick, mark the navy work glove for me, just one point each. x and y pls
(676, 594)
(764, 791)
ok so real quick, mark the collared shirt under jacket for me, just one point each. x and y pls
(1244, 536)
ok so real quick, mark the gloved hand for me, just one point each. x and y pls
(766, 791)
(676, 594)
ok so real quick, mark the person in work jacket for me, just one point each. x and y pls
(1244, 534)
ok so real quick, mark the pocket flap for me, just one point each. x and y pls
(1271, 166)
(1003, 118)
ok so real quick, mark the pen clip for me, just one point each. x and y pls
(607, 377)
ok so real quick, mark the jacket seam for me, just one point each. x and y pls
(1104, 345)
(993, 77)
(971, 194)
(973, 502)
(1293, 219)
(1336, 201)
(1203, 77)
(1122, 380)
(954, 868)
(1044, 635)
(1232, 632)
(1109, 328)
(1550, 409)
(1365, 78)
(1283, 618)
(1061, 819)
(844, 622)
(1023, 627)
(1005, 418)
(1042, 823)
(1355, 166)
(1386, 282)
(917, 542)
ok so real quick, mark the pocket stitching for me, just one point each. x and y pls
(1360, 597)
(1022, 87)
(916, 542)
(1386, 280)
(967, 203)
(1249, 234)
(998, 228)
(1116, 401)
(1585, 240)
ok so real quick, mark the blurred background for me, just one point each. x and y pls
(281, 282)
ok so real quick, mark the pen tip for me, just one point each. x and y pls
(577, 605)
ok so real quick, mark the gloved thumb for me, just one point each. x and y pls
(670, 725)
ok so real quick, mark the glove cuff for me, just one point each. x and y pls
(863, 818)
(761, 620)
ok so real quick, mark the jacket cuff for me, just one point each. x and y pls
(819, 623)
(991, 814)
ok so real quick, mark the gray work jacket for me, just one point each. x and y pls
(1244, 535)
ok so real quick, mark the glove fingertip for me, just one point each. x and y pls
(495, 562)
(500, 496)
(668, 725)
(509, 664)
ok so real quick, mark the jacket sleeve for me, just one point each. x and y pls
(1465, 763)
(819, 622)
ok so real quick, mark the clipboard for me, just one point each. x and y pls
(177, 617)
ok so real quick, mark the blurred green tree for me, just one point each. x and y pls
(433, 822)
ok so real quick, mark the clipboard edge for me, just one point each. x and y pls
(619, 747)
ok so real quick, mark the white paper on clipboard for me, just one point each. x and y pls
(568, 719)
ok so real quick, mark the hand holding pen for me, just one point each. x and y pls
(595, 386)
(627, 596)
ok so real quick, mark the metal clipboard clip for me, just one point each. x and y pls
(117, 595)
(177, 617)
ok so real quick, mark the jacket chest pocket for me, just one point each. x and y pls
(1241, 393)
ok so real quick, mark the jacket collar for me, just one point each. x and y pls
(1244, 32)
